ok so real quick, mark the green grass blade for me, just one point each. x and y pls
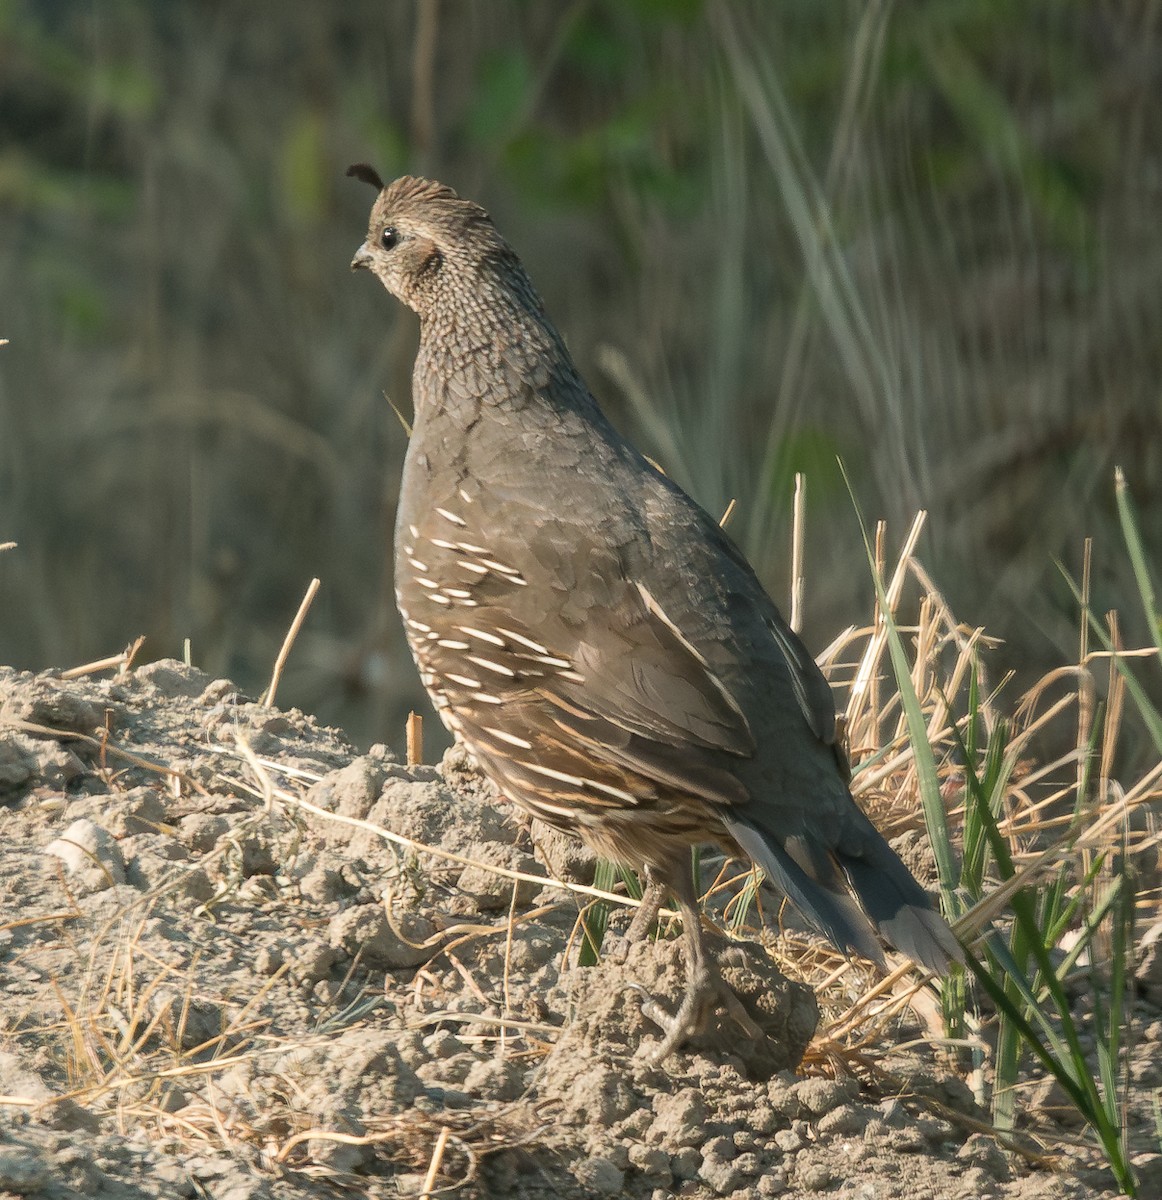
(1013, 1013)
(1149, 714)
(595, 919)
(928, 782)
(1133, 539)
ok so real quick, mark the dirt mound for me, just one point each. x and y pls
(237, 959)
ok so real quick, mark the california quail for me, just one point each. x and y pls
(599, 645)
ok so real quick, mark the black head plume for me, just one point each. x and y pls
(367, 174)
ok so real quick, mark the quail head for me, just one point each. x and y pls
(599, 645)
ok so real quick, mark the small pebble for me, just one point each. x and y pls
(748, 1163)
(89, 853)
(819, 1096)
(680, 1119)
(685, 1164)
(443, 1044)
(720, 1175)
(845, 1120)
(651, 1161)
(763, 1118)
(719, 1149)
(773, 1183)
(814, 1177)
(600, 1176)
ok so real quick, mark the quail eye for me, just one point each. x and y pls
(390, 238)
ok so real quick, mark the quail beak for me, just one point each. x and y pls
(362, 258)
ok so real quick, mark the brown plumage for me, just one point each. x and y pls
(598, 644)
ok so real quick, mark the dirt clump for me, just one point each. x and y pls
(240, 959)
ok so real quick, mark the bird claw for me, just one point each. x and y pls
(652, 1010)
(704, 996)
(615, 948)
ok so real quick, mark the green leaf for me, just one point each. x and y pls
(1133, 538)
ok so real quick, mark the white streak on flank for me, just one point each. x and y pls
(571, 676)
(481, 634)
(457, 593)
(486, 698)
(464, 496)
(560, 809)
(468, 603)
(452, 644)
(433, 635)
(489, 665)
(560, 702)
(503, 568)
(511, 738)
(549, 773)
(451, 516)
(524, 641)
(415, 562)
(418, 625)
(475, 568)
(654, 607)
(469, 548)
(443, 544)
(425, 582)
(550, 661)
(577, 781)
(609, 789)
(465, 680)
(414, 532)
(438, 598)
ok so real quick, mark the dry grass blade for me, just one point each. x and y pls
(289, 641)
(115, 662)
(798, 537)
(434, 1165)
(858, 704)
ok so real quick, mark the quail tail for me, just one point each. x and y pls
(891, 903)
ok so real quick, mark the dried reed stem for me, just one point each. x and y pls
(798, 527)
(122, 662)
(434, 1165)
(415, 739)
(289, 641)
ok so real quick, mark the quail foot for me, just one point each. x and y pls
(598, 644)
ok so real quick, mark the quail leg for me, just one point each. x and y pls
(617, 947)
(647, 912)
(706, 990)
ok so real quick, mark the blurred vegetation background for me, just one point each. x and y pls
(920, 236)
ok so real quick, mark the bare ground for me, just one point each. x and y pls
(218, 978)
